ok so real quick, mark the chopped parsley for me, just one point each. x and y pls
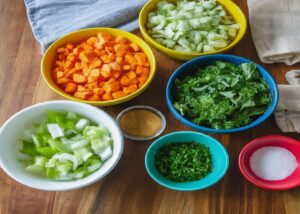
(183, 162)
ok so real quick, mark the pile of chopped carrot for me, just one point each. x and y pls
(101, 68)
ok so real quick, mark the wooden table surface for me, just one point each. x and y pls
(128, 188)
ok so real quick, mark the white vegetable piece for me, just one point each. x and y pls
(81, 124)
(106, 153)
(192, 26)
(65, 157)
(54, 130)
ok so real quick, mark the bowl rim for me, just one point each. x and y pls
(222, 57)
(255, 143)
(213, 140)
(143, 107)
(74, 186)
(108, 102)
(146, 35)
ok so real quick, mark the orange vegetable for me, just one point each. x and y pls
(107, 96)
(71, 87)
(79, 78)
(100, 68)
(118, 94)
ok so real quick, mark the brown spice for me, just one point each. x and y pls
(140, 123)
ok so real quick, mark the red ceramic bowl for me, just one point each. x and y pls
(281, 141)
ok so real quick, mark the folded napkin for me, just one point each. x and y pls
(275, 29)
(287, 114)
(51, 19)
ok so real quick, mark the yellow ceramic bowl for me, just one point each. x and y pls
(77, 36)
(228, 5)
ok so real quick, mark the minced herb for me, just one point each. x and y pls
(182, 162)
(222, 95)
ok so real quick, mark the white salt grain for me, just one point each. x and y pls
(273, 163)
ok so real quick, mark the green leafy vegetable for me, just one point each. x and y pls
(182, 162)
(192, 26)
(222, 95)
(65, 147)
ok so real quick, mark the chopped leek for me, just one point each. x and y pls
(65, 147)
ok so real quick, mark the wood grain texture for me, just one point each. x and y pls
(128, 188)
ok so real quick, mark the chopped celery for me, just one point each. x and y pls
(46, 151)
(192, 26)
(65, 146)
(55, 130)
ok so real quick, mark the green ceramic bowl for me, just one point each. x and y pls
(219, 154)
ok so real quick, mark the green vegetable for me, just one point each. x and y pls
(222, 95)
(192, 26)
(182, 162)
(65, 147)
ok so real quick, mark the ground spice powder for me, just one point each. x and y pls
(140, 123)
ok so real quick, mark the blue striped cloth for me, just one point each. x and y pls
(51, 19)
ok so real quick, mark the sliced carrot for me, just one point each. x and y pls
(71, 87)
(95, 97)
(130, 89)
(134, 47)
(107, 96)
(126, 67)
(70, 46)
(116, 74)
(115, 66)
(120, 47)
(119, 60)
(95, 63)
(79, 78)
(83, 57)
(106, 68)
(125, 80)
(92, 40)
(145, 72)
(86, 71)
(63, 80)
(131, 75)
(82, 88)
(142, 81)
(99, 91)
(59, 74)
(70, 73)
(118, 94)
(92, 85)
(121, 39)
(60, 50)
(130, 59)
(102, 67)
(95, 73)
(141, 58)
(83, 95)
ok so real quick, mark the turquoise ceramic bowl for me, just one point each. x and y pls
(219, 154)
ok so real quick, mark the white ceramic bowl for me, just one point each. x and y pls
(12, 129)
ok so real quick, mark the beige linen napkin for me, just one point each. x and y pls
(275, 28)
(287, 115)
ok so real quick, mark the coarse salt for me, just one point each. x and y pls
(273, 163)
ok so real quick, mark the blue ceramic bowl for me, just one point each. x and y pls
(207, 60)
(220, 160)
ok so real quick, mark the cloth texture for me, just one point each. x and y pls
(275, 28)
(287, 114)
(51, 19)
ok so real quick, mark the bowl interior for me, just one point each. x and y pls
(219, 154)
(290, 144)
(203, 61)
(229, 6)
(78, 36)
(10, 137)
